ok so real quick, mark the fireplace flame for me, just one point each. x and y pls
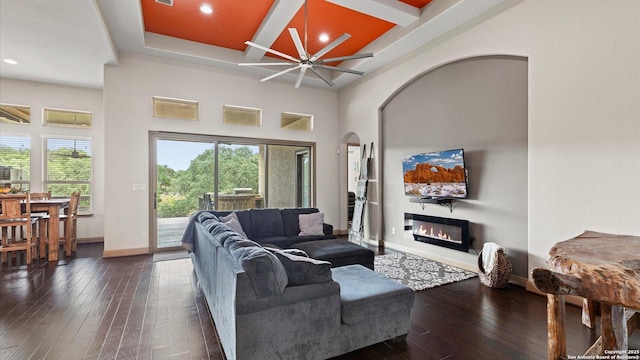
(440, 235)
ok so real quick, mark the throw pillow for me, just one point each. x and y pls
(303, 270)
(311, 224)
(232, 221)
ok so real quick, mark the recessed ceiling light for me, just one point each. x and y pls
(324, 37)
(11, 61)
(206, 9)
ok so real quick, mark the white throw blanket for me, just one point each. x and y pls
(490, 256)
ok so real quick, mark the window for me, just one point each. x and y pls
(67, 118)
(68, 169)
(175, 108)
(244, 116)
(293, 121)
(15, 161)
(15, 114)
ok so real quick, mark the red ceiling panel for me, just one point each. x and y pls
(232, 23)
(235, 21)
(325, 17)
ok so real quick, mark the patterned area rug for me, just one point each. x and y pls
(418, 273)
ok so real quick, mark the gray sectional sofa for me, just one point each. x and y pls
(270, 303)
(278, 227)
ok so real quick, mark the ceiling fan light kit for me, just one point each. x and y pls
(305, 60)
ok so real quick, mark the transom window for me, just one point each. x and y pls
(15, 114)
(244, 116)
(67, 118)
(293, 121)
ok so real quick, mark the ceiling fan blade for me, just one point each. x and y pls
(330, 47)
(275, 52)
(301, 76)
(319, 74)
(267, 64)
(298, 43)
(280, 73)
(339, 69)
(343, 58)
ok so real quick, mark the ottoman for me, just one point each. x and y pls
(337, 252)
(366, 295)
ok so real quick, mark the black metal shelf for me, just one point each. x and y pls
(442, 202)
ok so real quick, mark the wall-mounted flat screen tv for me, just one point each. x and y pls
(435, 175)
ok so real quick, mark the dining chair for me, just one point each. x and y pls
(41, 195)
(69, 223)
(34, 196)
(16, 212)
(42, 222)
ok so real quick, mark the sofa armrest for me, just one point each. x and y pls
(327, 229)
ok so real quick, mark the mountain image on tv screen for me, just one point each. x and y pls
(435, 175)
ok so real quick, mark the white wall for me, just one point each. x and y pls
(39, 96)
(479, 105)
(129, 89)
(584, 109)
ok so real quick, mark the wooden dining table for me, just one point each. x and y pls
(53, 207)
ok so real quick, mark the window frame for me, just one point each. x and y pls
(30, 142)
(45, 170)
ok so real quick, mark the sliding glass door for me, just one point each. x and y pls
(240, 182)
(203, 172)
(184, 173)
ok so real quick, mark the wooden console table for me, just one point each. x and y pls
(603, 268)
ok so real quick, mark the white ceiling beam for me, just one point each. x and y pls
(272, 26)
(393, 11)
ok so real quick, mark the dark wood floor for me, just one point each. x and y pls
(87, 307)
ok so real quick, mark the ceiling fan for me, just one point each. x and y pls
(305, 60)
(75, 154)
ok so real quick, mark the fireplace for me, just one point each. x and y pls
(449, 233)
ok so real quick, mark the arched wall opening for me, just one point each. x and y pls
(479, 104)
(349, 167)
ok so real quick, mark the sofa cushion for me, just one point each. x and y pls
(209, 223)
(291, 220)
(221, 232)
(243, 218)
(236, 242)
(302, 270)
(232, 221)
(365, 294)
(204, 215)
(245, 221)
(265, 272)
(266, 222)
(338, 252)
(311, 224)
(282, 242)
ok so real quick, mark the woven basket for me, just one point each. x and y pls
(499, 276)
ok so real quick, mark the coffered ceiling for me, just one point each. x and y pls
(69, 41)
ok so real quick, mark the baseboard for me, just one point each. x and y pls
(431, 256)
(569, 299)
(514, 279)
(125, 252)
(91, 240)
